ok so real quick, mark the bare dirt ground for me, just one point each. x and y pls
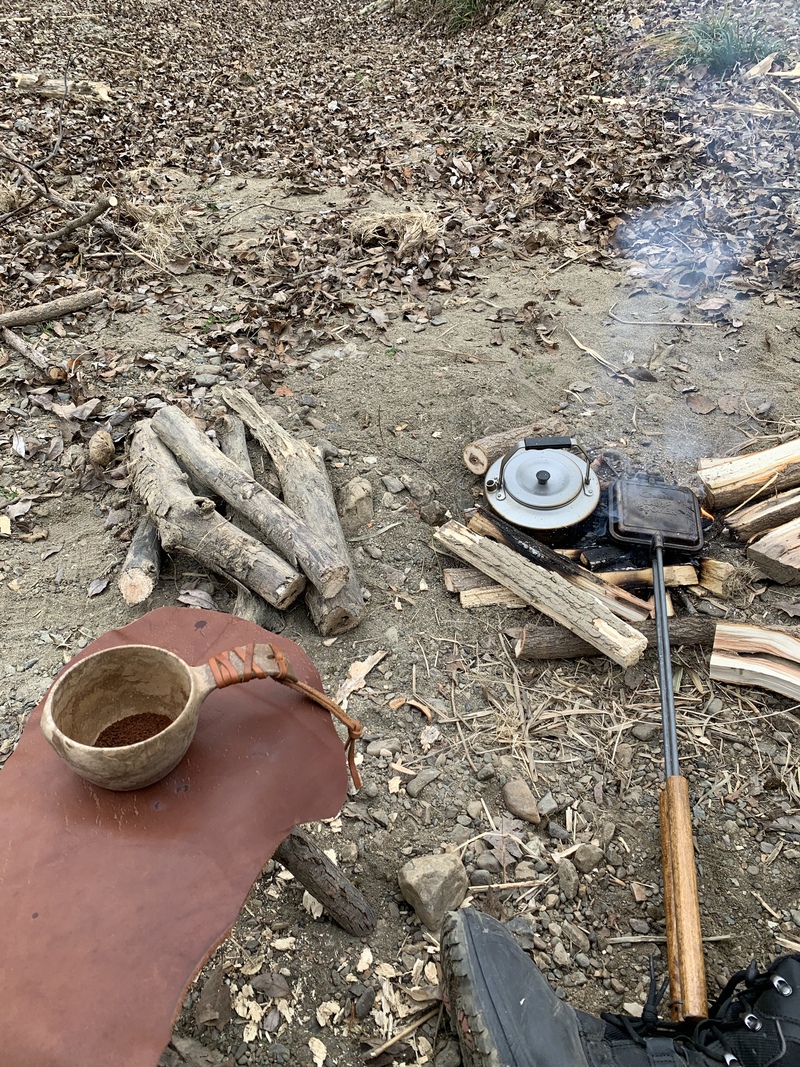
(266, 259)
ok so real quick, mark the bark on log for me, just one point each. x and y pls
(307, 490)
(139, 575)
(732, 481)
(190, 524)
(53, 309)
(19, 344)
(250, 606)
(286, 531)
(621, 603)
(755, 519)
(479, 455)
(549, 592)
(538, 642)
(345, 904)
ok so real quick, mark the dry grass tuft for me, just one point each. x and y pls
(10, 196)
(408, 231)
(159, 228)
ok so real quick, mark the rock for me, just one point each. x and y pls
(355, 505)
(364, 1003)
(568, 878)
(485, 773)
(479, 877)
(425, 777)
(547, 805)
(645, 731)
(587, 857)
(434, 513)
(525, 872)
(206, 380)
(487, 861)
(606, 835)
(639, 926)
(624, 755)
(448, 1056)
(575, 936)
(433, 885)
(390, 744)
(101, 449)
(630, 1008)
(392, 483)
(421, 490)
(583, 961)
(561, 957)
(474, 809)
(520, 801)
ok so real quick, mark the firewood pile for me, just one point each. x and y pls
(756, 496)
(299, 547)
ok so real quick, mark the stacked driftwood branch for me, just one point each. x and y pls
(297, 542)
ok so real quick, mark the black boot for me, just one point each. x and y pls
(506, 1015)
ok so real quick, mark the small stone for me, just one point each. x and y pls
(449, 1056)
(639, 926)
(434, 513)
(392, 483)
(355, 504)
(583, 961)
(568, 878)
(624, 755)
(525, 872)
(101, 449)
(206, 379)
(561, 957)
(117, 517)
(487, 861)
(547, 805)
(391, 636)
(485, 773)
(433, 885)
(629, 1008)
(606, 835)
(421, 491)
(645, 731)
(575, 936)
(587, 857)
(389, 744)
(479, 877)
(425, 777)
(520, 801)
(364, 1003)
(474, 809)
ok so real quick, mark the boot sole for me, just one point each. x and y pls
(470, 1002)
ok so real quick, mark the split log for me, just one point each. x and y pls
(755, 519)
(250, 606)
(346, 904)
(308, 491)
(754, 655)
(733, 481)
(53, 309)
(777, 553)
(716, 575)
(479, 455)
(621, 603)
(490, 596)
(191, 524)
(675, 576)
(292, 537)
(94, 213)
(579, 611)
(19, 344)
(139, 575)
(539, 642)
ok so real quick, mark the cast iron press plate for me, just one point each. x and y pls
(643, 508)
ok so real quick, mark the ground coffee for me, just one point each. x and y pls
(132, 729)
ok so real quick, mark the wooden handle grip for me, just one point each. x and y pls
(687, 978)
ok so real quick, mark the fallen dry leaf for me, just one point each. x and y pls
(97, 586)
(700, 404)
(213, 1007)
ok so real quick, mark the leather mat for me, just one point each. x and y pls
(111, 902)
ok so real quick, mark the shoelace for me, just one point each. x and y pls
(727, 1013)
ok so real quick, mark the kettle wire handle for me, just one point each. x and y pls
(495, 485)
